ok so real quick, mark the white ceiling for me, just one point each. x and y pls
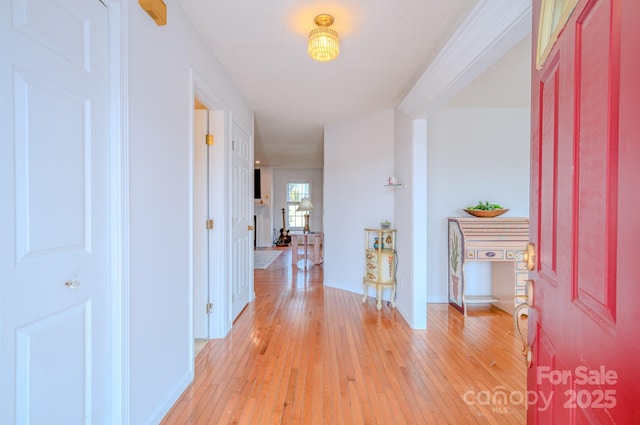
(385, 46)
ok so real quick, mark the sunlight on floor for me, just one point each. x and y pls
(199, 345)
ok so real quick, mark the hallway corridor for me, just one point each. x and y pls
(306, 354)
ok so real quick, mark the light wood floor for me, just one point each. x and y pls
(307, 354)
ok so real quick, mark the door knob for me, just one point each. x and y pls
(72, 284)
(519, 311)
(249, 227)
(529, 256)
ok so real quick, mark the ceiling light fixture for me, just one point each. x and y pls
(324, 43)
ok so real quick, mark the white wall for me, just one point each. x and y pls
(473, 154)
(403, 212)
(280, 178)
(410, 206)
(358, 160)
(159, 112)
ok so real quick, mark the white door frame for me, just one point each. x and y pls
(219, 237)
(119, 183)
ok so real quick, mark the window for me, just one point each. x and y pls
(295, 192)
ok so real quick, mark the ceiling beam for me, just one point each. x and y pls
(491, 29)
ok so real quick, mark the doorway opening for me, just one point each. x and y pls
(202, 224)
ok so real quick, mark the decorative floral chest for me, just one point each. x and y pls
(487, 239)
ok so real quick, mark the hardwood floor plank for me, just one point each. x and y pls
(302, 353)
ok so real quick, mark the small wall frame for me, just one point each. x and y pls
(554, 14)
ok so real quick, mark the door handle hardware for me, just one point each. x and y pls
(529, 256)
(72, 284)
(519, 311)
(249, 227)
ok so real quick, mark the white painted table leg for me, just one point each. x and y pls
(393, 295)
(364, 289)
(294, 249)
(316, 249)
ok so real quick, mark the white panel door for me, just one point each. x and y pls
(54, 227)
(242, 219)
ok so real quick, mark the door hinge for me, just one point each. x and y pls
(233, 145)
(209, 308)
(209, 139)
(210, 224)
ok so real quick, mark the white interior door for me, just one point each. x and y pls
(242, 219)
(54, 188)
(203, 125)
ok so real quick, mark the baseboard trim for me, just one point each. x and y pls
(164, 409)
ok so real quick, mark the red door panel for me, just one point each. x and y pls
(584, 329)
(548, 178)
(596, 146)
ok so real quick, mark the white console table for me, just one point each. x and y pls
(316, 239)
(487, 239)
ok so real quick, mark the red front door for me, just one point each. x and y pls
(584, 327)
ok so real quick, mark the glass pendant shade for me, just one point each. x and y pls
(324, 43)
